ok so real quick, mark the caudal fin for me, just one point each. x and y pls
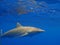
(0, 32)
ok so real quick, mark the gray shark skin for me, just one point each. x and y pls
(21, 31)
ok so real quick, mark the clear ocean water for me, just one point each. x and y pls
(50, 22)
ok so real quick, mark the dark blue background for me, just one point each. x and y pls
(48, 22)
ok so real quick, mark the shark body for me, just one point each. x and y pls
(21, 31)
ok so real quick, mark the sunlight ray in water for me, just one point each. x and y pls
(24, 7)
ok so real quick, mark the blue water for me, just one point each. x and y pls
(50, 22)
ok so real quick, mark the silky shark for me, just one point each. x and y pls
(21, 31)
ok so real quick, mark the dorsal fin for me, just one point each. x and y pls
(18, 24)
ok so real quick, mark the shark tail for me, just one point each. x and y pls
(0, 32)
(1, 37)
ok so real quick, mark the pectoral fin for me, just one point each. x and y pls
(24, 34)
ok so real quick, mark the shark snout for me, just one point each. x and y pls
(39, 30)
